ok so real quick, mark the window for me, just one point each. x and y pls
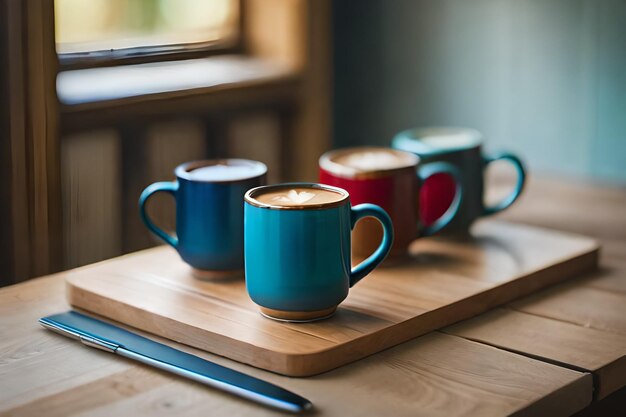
(122, 28)
(273, 66)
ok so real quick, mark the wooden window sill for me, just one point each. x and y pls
(111, 93)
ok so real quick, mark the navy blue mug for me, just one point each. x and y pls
(209, 213)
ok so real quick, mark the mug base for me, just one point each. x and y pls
(297, 316)
(217, 275)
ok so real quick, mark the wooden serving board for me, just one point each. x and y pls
(445, 281)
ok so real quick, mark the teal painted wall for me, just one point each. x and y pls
(544, 78)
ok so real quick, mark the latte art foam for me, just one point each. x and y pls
(437, 140)
(366, 161)
(370, 160)
(302, 196)
(450, 140)
(294, 197)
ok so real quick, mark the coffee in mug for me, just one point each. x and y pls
(372, 160)
(390, 179)
(297, 248)
(298, 196)
(225, 170)
(209, 213)
(461, 147)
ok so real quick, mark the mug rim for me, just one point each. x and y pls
(249, 197)
(183, 170)
(410, 140)
(327, 164)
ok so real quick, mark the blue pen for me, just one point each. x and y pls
(110, 338)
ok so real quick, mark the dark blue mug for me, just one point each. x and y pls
(461, 147)
(209, 213)
(297, 248)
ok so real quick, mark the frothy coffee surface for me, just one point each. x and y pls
(228, 171)
(363, 160)
(370, 160)
(447, 140)
(300, 196)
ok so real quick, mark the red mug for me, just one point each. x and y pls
(392, 180)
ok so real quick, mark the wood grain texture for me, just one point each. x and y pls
(298, 34)
(593, 303)
(577, 206)
(582, 305)
(444, 281)
(33, 183)
(272, 30)
(167, 145)
(311, 134)
(257, 136)
(584, 207)
(14, 180)
(91, 194)
(569, 345)
(477, 383)
(434, 375)
(43, 138)
(612, 274)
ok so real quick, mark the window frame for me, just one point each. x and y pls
(155, 53)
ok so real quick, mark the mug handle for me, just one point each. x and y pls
(368, 265)
(521, 180)
(428, 170)
(168, 187)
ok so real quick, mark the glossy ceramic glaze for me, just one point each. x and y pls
(209, 219)
(297, 259)
(438, 192)
(397, 191)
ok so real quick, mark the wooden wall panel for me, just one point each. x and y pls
(91, 195)
(169, 145)
(273, 30)
(298, 33)
(257, 136)
(312, 123)
(43, 138)
(13, 180)
(150, 155)
(102, 181)
(31, 151)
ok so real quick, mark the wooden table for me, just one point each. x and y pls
(553, 353)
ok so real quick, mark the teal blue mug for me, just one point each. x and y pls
(462, 148)
(209, 213)
(297, 241)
